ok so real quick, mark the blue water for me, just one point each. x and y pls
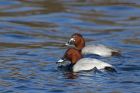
(32, 34)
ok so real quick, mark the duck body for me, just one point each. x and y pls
(86, 64)
(79, 63)
(79, 42)
(99, 49)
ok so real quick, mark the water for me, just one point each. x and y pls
(32, 33)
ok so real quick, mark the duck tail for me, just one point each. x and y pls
(116, 53)
(111, 69)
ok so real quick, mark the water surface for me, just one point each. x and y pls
(32, 33)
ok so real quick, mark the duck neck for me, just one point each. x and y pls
(76, 58)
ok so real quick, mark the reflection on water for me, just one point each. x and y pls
(32, 34)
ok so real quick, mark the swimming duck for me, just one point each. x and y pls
(78, 63)
(79, 42)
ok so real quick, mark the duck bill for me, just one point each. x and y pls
(67, 44)
(60, 60)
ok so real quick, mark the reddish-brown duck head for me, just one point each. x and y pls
(77, 40)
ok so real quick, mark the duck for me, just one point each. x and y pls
(98, 49)
(79, 63)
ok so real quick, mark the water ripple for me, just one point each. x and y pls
(32, 37)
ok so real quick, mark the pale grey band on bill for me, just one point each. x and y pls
(69, 43)
(60, 61)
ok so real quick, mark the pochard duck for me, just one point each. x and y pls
(79, 42)
(78, 63)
